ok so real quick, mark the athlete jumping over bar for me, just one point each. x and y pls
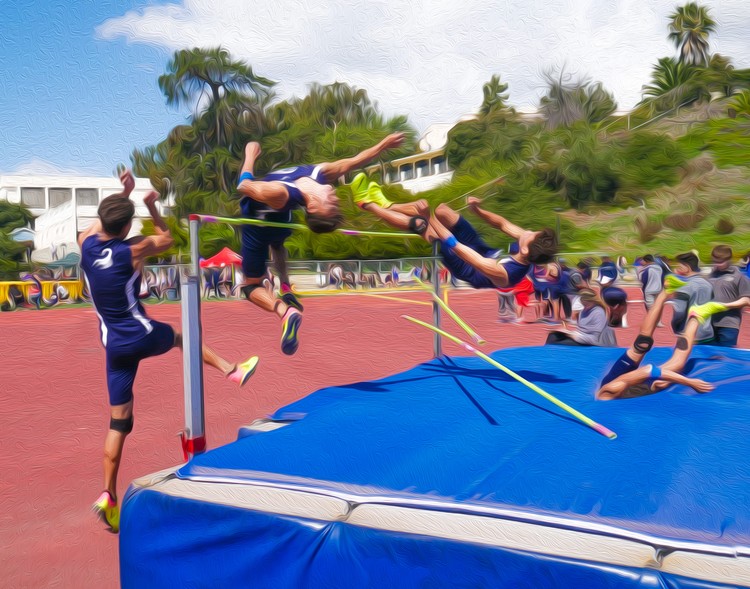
(273, 198)
(464, 252)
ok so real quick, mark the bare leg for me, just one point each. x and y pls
(265, 299)
(113, 445)
(683, 348)
(446, 215)
(394, 218)
(279, 257)
(418, 207)
(648, 327)
(210, 357)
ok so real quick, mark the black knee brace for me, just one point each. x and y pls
(643, 343)
(417, 225)
(682, 343)
(124, 426)
(247, 289)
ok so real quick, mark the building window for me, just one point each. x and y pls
(87, 197)
(58, 196)
(423, 168)
(33, 197)
(406, 172)
(439, 165)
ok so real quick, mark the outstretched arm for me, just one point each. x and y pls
(694, 383)
(340, 167)
(497, 221)
(128, 183)
(152, 245)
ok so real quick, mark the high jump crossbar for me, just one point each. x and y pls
(193, 436)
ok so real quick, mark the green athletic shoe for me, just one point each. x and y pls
(672, 282)
(704, 311)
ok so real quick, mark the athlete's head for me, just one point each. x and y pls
(687, 264)
(324, 223)
(540, 247)
(322, 210)
(116, 215)
(619, 389)
(721, 256)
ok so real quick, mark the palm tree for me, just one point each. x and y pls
(675, 83)
(495, 96)
(689, 28)
(197, 75)
(568, 101)
(668, 76)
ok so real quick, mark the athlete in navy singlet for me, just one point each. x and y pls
(112, 269)
(273, 198)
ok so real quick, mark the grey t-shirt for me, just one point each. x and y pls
(697, 290)
(654, 279)
(729, 285)
(594, 330)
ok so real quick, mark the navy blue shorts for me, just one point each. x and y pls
(465, 233)
(255, 243)
(123, 359)
(623, 365)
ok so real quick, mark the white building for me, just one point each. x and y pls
(424, 170)
(63, 206)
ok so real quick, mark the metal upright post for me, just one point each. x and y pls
(194, 435)
(437, 351)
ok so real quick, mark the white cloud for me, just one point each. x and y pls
(40, 167)
(429, 58)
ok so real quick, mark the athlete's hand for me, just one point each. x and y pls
(151, 198)
(473, 202)
(128, 181)
(393, 140)
(702, 386)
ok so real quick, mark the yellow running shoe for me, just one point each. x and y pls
(365, 192)
(375, 195)
(108, 511)
(704, 311)
(242, 372)
(672, 282)
(359, 188)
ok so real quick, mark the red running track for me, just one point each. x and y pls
(53, 409)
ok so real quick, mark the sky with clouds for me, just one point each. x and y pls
(78, 87)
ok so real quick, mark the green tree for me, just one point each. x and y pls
(196, 74)
(568, 101)
(673, 83)
(12, 253)
(495, 96)
(689, 28)
(741, 103)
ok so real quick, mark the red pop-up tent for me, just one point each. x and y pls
(225, 257)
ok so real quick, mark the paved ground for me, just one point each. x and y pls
(53, 408)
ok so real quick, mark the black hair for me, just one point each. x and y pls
(115, 212)
(324, 223)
